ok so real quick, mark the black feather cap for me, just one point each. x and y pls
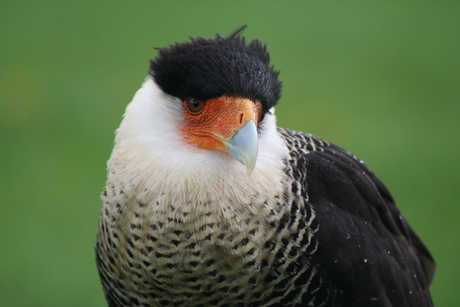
(209, 68)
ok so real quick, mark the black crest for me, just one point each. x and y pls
(209, 68)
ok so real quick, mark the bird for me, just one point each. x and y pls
(208, 203)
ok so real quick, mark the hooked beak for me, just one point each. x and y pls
(243, 146)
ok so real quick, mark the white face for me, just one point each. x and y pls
(151, 152)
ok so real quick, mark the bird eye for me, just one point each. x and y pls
(195, 106)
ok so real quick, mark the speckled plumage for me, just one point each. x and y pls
(312, 226)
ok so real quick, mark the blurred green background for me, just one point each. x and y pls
(380, 79)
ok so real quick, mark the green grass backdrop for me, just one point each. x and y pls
(381, 79)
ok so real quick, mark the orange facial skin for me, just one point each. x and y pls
(216, 120)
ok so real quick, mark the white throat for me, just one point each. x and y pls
(151, 160)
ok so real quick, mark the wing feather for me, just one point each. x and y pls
(366, 248)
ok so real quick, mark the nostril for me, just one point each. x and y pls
(241, 118)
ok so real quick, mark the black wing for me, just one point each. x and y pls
(366, 248)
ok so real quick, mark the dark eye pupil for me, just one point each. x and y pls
(195, 105)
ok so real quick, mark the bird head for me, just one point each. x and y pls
(225, 87)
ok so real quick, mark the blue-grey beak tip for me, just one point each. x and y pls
(243, 146)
